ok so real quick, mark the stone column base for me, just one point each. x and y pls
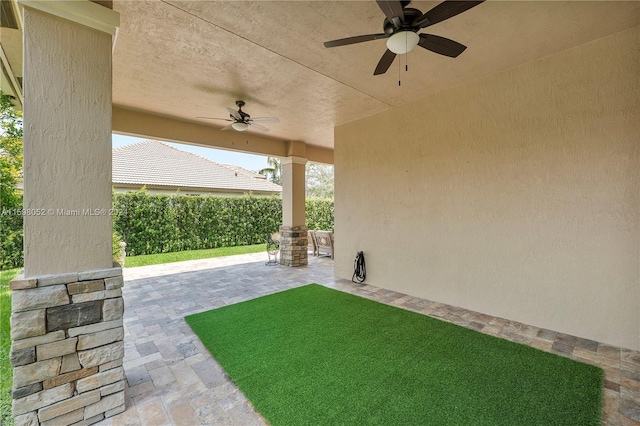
(293, 245)
(67, 347)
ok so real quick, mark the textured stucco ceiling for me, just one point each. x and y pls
(185, 59)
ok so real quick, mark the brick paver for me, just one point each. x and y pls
(172, 378)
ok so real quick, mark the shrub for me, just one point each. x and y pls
(115, 247)
(151, 224)
(11, 236)
(159, 223)
(319, 214)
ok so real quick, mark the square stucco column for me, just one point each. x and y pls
(293, 241)
(66, 323)
(67, 138)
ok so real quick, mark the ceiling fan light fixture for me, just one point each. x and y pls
(403, 42)
(240, 127)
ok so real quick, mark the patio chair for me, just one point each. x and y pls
(324, 243)
(311, 246)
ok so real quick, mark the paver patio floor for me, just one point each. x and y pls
(172, 378)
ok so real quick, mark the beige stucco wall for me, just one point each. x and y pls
(67, 144)
(516, 195)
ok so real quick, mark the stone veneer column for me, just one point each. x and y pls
(293, 246)
(67, 347)
(293, 240)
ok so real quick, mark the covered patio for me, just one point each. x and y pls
(502, 182)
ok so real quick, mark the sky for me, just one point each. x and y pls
(248, 161)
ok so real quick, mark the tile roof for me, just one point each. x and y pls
(154, 163)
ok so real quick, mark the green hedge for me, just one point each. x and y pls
(319, 214)
(11, 237)
(158, 223)
(151, 224)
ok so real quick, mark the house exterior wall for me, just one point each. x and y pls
(517, 195)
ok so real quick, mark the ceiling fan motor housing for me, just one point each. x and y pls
(240, 120)
(410, 15)
(243, 114)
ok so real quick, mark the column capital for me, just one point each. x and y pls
(296, 149)
(83, 12)
(293, 160)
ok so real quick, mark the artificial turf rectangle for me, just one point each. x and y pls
(317, 356)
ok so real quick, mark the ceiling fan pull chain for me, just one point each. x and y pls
(399, 65)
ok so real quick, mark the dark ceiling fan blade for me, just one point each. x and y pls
(441, 45)
(234, 113)
(265, 119)
(229, 127)
(216, 118)
(392, 9)
(385, 62)
(445, 10)
(353, 40)
(258, 127)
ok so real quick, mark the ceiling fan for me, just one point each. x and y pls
(401, 27)
(242, 121)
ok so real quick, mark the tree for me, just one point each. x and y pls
(319, 181)
(10, 150)
(274, 171)
(11, 242)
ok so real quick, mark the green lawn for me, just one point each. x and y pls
(317, 356)
(156, 259)
(6, 373)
